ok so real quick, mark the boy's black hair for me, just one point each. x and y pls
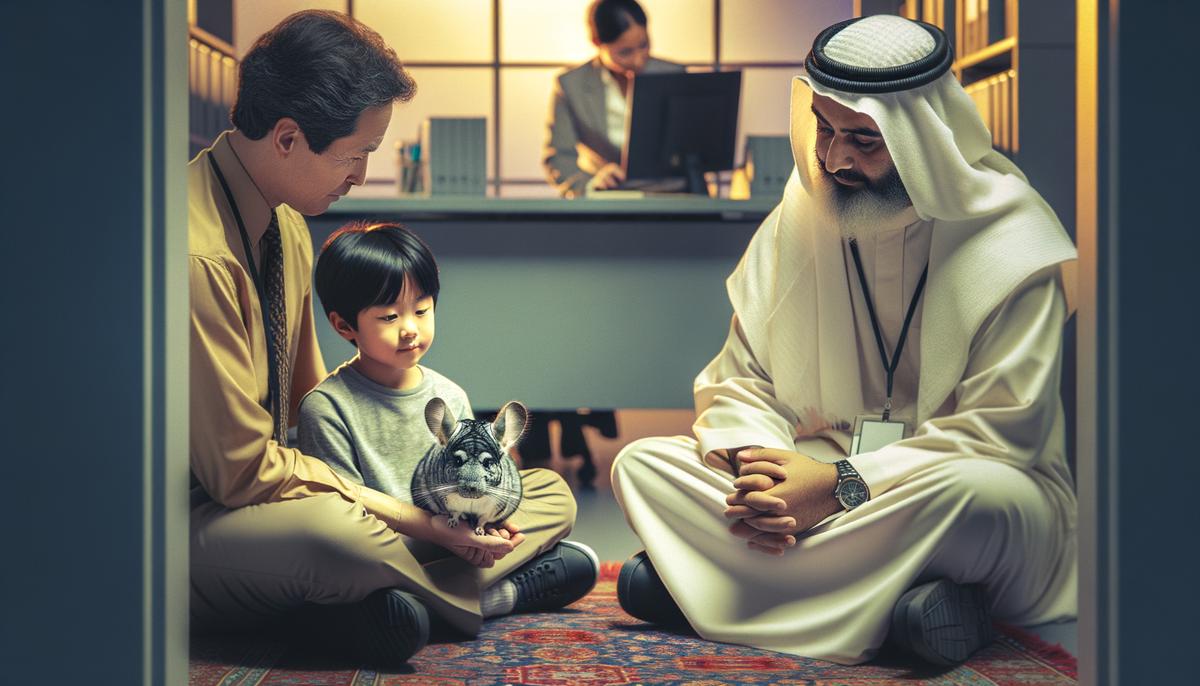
(322, 69)
(608, 19)
(362, 265)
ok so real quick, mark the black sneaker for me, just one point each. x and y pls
(556, 578)
(384, 629)
(643, 595)
(942, 622)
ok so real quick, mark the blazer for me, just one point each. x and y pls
(577, 144)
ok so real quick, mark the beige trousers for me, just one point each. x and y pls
(253, 564)
(831, 596)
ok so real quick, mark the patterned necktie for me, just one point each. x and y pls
(272, 261)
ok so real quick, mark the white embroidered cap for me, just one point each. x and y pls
(879, 54)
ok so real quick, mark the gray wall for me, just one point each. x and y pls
(561, 314)
(1046, 55)
(1139, 576)
(93, 393)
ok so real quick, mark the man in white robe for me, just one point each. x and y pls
(971, 514)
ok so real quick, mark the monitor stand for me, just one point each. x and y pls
(695, 177)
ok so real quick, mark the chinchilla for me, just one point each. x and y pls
(470, 475)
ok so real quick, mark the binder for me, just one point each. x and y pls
(454, 150)
(970, 35)
(1006, 114)
(769, 163)
(981, 94)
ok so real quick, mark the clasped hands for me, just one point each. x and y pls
(780, 493)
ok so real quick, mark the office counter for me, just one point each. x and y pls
(570, 304)
(667, 208)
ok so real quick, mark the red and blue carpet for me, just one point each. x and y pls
(594, 643)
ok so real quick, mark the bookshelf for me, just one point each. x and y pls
(986, 44)
(212, 87)
(1017, 62)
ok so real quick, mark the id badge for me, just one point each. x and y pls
(871, 433)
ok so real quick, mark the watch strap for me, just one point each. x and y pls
(846, 470)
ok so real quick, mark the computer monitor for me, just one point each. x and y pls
(682, 125)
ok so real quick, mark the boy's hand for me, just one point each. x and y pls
(475, 556)
(480, 551)
(507, 531)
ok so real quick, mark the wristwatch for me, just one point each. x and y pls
(851, 490)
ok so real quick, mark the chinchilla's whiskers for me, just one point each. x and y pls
(501, 489)
(441, 489)
(506, 498)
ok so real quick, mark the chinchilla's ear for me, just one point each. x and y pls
(510, 423)
(440, 420)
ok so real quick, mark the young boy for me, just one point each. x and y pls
(379, 287)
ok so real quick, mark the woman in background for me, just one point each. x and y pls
(586, 131)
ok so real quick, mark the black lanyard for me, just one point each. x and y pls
(261, 287)
(912, 309)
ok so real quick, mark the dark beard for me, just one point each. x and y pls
(864, 209)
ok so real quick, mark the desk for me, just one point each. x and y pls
(568, 304)
(681, 207)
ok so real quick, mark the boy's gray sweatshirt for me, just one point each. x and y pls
(370, 433)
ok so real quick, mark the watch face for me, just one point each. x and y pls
(851, 493)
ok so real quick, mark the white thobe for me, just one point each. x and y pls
(980, 493)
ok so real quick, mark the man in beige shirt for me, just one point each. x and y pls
(276, 534)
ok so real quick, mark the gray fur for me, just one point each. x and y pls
(470, 474)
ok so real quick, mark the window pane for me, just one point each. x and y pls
(766, 102)
(423, 31)
(556, 30)
(544, 31)
(441, 92)
(680, 30)
(776, 30)
(524, 103)
(252, 19)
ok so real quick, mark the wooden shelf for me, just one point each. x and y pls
(999, 52)
(211, 41)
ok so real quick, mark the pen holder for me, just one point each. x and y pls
(408, 168)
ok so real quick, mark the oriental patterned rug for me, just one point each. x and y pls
(594, 643)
